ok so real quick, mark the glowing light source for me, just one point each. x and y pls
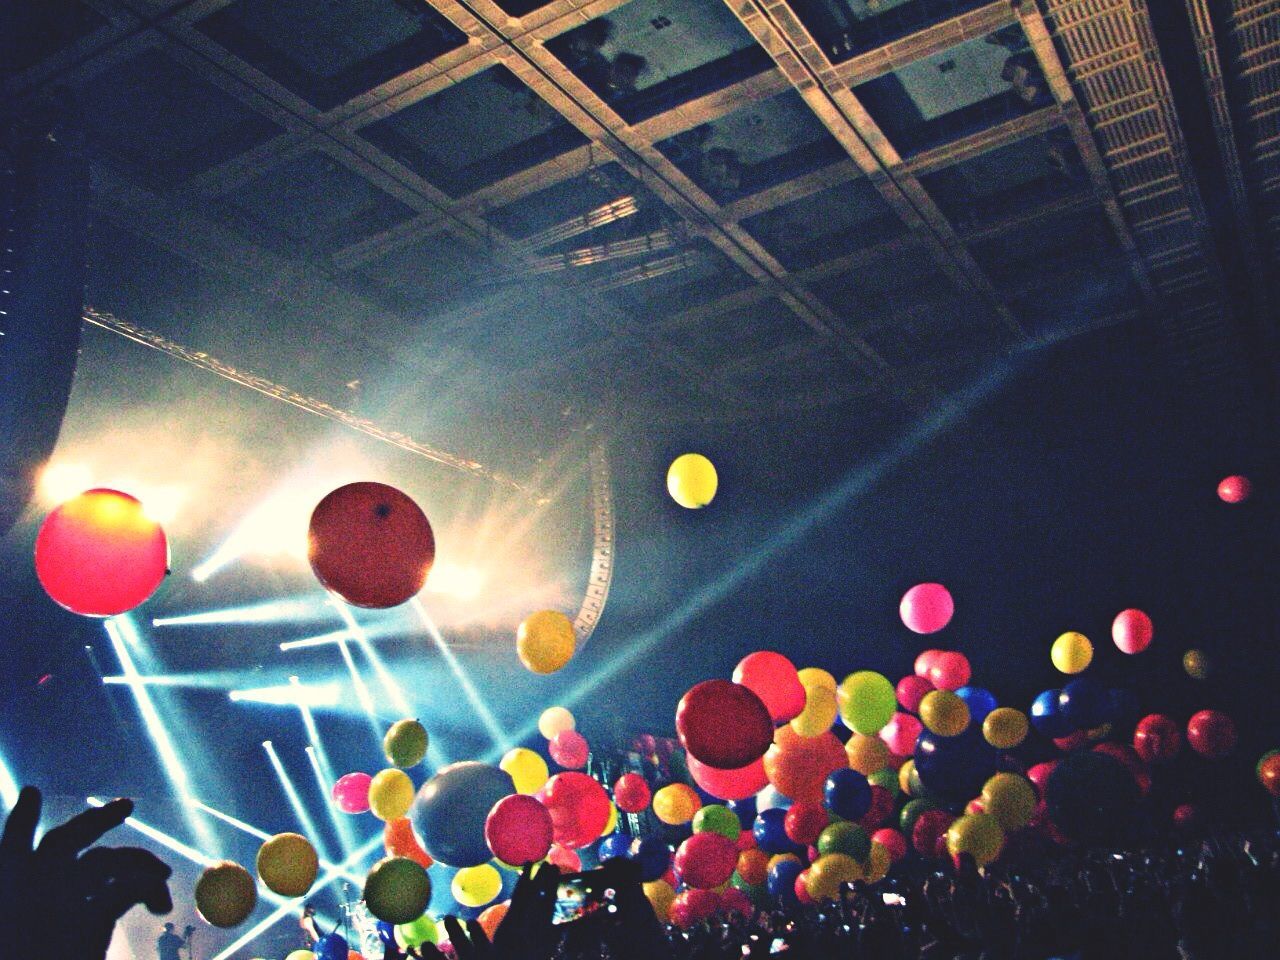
(462, 583)
(8, 785)
(59, 482)
(291, 695)
(290, 791)
(271, 612)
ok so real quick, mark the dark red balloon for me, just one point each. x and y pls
(1157, 739)
(775, 680)
(1212, 734)
(705, 860)
(804, 821)
(1133, 763)
(724, 725)
(929, 834)
(729, 784)
(693, 906)
(518, 830)
(1186, 816)
(1039, 773)
(911, 690)
(579, 808)
(631, 793)
(880, 810)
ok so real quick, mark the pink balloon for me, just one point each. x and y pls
(729, 784)
(569, 749)
(950, 670)
(893, 841)
(1039, 774)
(565, 859)
(1234, 489)
(911, 690)
(924, 663)
(1132, 631)
(774, 679)
(705, 860)
(927, 607)
(351, 793)
(900, 734)
(518, 830)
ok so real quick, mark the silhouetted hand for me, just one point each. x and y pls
(62, 899)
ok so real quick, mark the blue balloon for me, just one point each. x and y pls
(769, 799)
(1046, 715)
(745, 809)
(979, 701)
(1122, 705)
(771, 833)
(847, 794)
(781, 880)
(331, 947)
(450, 809)
(954, 769)
(653, 856)
(386, 933)
(1083, 702)
(614, 845)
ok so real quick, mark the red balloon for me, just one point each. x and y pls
(1269, 774)
(1212, 734)
(693, 906)
(579, 808)
(1136, 766)
(775, 680)
(569, 749)
(1186, 816)
(804, 821)
(926, 608)
(950, 670)
(900, 734)
(351, 792)
(798, 766)
(893, 842)
(518, 830)
(911, 690)
(725, 725)
(99, 554)
(924, 661)
(1039, 775)
(370, 544)
(1132, 631)
(930, 833)
(733, 900)
(565, 859)
(1234, 489)
(1072, 741)
(705, 860)
(801, 887)
(880, 810)
(1157, 739)
(729, 784)
(631, 793)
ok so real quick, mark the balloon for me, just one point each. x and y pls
(734, 901)
(476, 886)
(1046, 717)
(405, 743)
(911, 690)
(287, 864)
(926, 608)
(569, 749)
(950, 670)
(1005, 728)
(518, 830)
(417, 932)
(1269, 773)
(944, 713)
(1212, 734)
(371, 545)
(908, 779)
(892, 841)
(1234, 489)
(398, 841)
(798, 766)
(1039, 775)
(929, 835)
(867, 701)
(300, 955)
(978, 835)
(737, 784)
(804, 821)
(717, 819)
(693, 906)
(887, 779)
(829, 872)
(565, 859)
(816, 677)
(782, 877)
(979, 701)
(846, 838)
(911, 812)
(225, 894)
(390, 794)
(491, 918)
(527, 769)
(705, 860)
(692, 481)
(1083, 703)
(545, 641)
(450, 810)
(332, 947)
(774, 679)
(880, 810)
(770, 831)
(1157, 739)
(579, 808)
(1010, 799)
(879, 860)
(1090, 797)
(631, 793)
(866, 754)
(723, 725)
(1071, 652)
(660, 896)
(351, 792)
(555, 719)
(397, 890)
(652, 856)
(1197, 664)
(847, 794)
(676, 803)
(900, 734)
(612, 846)
(1132, 631)
(954, 768)
(820, 711)
(753, 866)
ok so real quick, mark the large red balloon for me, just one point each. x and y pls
(518, 830)
(1156, 738)
(775, 680)
(99, 554)
(370, 544)
(1212, 734)
(579, 808)
(798, 766)
(725, 725)
(926, 607)
(1234, 489)
(631, 793)
(729, 784)
(705, 860)
(950, 670)
(1132, 631)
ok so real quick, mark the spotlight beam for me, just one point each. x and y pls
(324, 780)
(322, 640)
(8, 785)
(389, 686)
(274, 611)
(295, 801)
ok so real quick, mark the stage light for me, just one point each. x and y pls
(273, 611)
(59, 482)
(290, 695)
(290, 791)
(461, 583)
(8, 785)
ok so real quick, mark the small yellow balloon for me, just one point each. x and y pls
(1072, 652)
(904, 776)
(828, 872)
(545, 641)
(1197, 665)
(676, 803)
(225, 894)
(476, 886)
(977, 834)
(878, 862)
(944, 713)
(528, 770)
(555, 720)
(660, 896)
(692, 481)
(287, 864)
(819, 712)
(1009, 798)
(301, 955)
(1005, 728)
(817, 677)
(867, 754)
(390, 794)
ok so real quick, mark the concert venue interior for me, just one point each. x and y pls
(971, 293)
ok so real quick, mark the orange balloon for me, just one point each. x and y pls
(399, 839)
(753, 866)
(1269, 774)
(798, 766)
(492, 916)
(866, 754)
(371, 545)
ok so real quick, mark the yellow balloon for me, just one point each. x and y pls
(390, 794)
(817, 677)
(867, 754)
(676, 803)
(944, 713)
(904, 776)
(528, 770)
(660, 896)
(977, 834)
(545, 641)
(828, 872)
(1196, 663)
(778, 858)
(288, 864)
(476, 886)
(819, 712)
(301, 955)
(225, 894)
(612, 823)
(1072, 652)
(1005, 728)
(692, 480)
(878, 862)
(1009, 798)
(555, 720)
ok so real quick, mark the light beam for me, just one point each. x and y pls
(295, 801)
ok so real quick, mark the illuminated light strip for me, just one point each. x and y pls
(321, 640)
(500, 738)
(308, 719)
(8, 785)
(295, 801)
(272, 612)
(389, 685)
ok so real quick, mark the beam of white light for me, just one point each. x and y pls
(501, 741)
(855, 484)
(321, 640)
(8, 786)
(362, 691)
(295, 801)
(308, 720)
(59, 482)
(388, 683)
(325, 780)
(273, 611)
(218, 680)
(291, 694)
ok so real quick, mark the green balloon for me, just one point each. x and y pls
(887, 778)
(405, 743)
(911, 811)
(420, 931)
(758, 894)
(867, 701)
(847, 838)
(717, 819)
(397, 890)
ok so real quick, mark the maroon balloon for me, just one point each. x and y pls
(880, 810)
(1136, 766)
(911, 690)
(733, 900)
(518, 830)
(1186, 816)
(1212, 734)
(631, 793)
(729, 784)
(775, 680)
(928, 836)
(724, 725)
(804, 821)
(705, 860)
(1072, 741)
(1039, 774)
(801, 887)
(693, 906)
(1157, 739)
